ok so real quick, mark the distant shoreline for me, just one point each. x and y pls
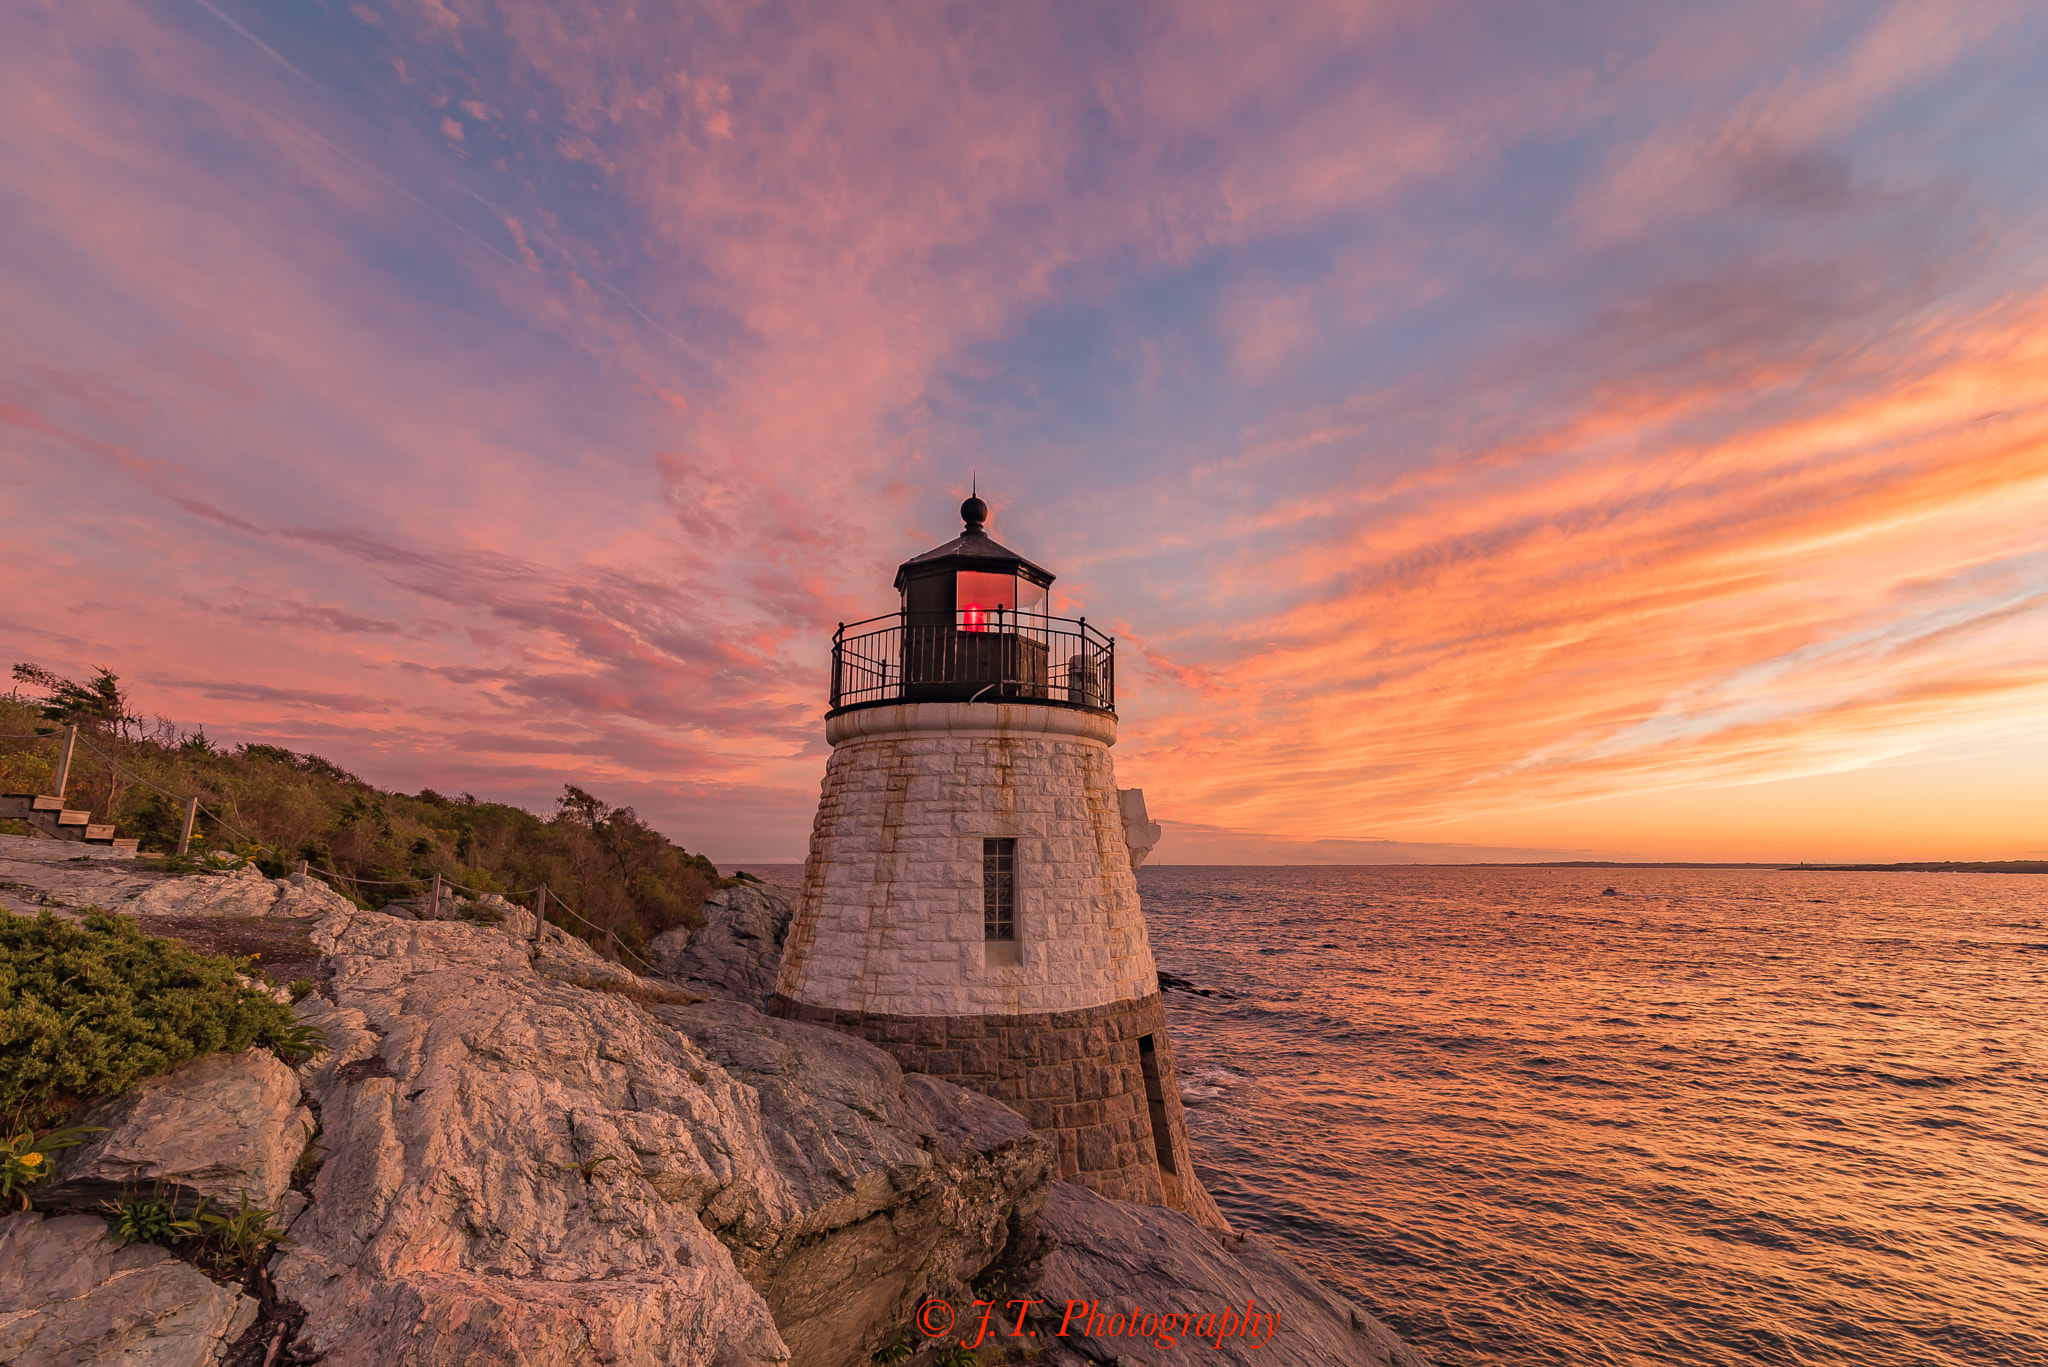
(1930, 866)
(1949, 866)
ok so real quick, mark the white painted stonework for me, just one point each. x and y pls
(1141, 832)
(890, 920)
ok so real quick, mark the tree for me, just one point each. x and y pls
(100, 704)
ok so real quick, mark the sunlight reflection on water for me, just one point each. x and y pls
(1720, 1115)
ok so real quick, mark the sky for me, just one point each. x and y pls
(1491, 430)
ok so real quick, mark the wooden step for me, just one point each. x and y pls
(48, 823)
(127, 845)
(47, 804)
(69, 817)
(99, 835)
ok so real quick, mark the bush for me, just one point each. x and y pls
(89, 1011)
(626, 881)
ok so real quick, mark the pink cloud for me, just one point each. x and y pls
(1709, 452)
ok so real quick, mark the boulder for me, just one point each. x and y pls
(214, 1126)
(307, 894)
(526, 1165)
(72, 1295)
(737, 951)
(905, 1186)
(241, 893)
(517, 1165)
(1109, 1260)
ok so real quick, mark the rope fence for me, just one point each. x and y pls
(70, 736)
(542, 894)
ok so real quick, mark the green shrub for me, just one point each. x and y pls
(89, 1011)
(626, 881)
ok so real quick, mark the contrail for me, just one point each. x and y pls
(542, 236)
(275, 55)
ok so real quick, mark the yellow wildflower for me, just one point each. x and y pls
(31, 1160)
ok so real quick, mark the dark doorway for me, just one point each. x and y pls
(1155, 1102)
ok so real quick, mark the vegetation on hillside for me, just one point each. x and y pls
(625, 881)
(87, 1011)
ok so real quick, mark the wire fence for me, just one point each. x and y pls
(543, 893)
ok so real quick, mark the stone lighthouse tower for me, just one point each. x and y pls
(969, 901)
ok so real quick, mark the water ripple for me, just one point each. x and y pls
(1718, 1116)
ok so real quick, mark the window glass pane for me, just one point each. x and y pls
(1030, 596)
(979, 595)
(999, 889)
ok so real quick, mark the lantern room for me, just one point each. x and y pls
(971, 584)
(974, 626)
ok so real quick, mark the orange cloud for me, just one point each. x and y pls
(1462, 429)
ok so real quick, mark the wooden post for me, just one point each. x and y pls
(434, 906)
(540, 912)
(185, 831)
(64, 762)
(305, 868)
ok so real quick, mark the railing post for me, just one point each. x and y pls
(434, 906)
(540, 911)
(305, 868)
(64, 762)
(185, 831)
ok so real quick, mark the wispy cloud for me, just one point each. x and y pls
(1456, 424)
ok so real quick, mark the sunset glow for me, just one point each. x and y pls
(1490, 430)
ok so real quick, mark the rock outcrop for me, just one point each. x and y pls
(535, 1160)
(1111, 1263)
(905, 1186)
(63, 876)
(737, 951)
(243, 893)
(534, 1156)
(215, 1127)
(71, 1295)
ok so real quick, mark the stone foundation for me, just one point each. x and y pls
(1079, 1077)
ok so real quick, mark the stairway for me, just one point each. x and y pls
(48, 816)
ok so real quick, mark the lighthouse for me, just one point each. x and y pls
(969, 900)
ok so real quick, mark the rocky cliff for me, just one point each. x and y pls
(526, 1154)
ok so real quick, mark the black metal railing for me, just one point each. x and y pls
(996, 657)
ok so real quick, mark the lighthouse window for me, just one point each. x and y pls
(985, 599)
(999, 889)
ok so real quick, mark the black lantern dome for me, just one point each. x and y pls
(971, 579)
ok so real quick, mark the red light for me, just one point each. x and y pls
(972, 618)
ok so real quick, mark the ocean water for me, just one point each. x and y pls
(1719, 1116)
